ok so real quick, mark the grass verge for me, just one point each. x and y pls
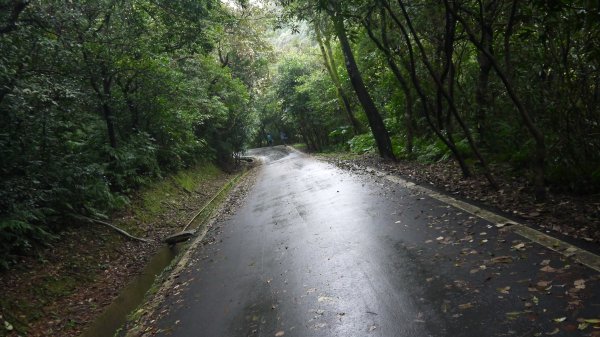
(58, 292)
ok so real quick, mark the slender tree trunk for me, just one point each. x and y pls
(411, 68)
(127, 89)
(539, 160)
(378, 129)
(439, 84)
(104, 94)
(108, 115)
(508, 69)
(384, 47)
(332, 71)
(481, 92)
(11, 22)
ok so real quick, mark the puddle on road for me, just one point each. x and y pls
(115, 315)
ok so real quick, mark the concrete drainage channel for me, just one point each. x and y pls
(132, 296)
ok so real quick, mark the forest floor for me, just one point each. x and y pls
(60, 291)
(566, 215)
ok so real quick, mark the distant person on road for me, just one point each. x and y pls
(283, 137)
(269, 139)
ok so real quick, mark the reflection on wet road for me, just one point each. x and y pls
(316, 251)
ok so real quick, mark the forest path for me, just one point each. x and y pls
(318, 251)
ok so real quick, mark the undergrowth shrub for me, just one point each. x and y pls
(362, 143)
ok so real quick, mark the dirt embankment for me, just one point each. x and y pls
(60, 291)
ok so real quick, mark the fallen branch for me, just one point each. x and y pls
(113, 227)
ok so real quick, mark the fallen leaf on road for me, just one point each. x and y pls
(559, 319)
(504, 290)
(502, 259)
(519, 246)
(554, 332)
(543, 284)
(465, 306)
(513, 314)
(579, 284)
(280, 333)
(325, 299)
(548, 269)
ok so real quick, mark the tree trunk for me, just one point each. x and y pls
(329, 61)
(411, 68)
(539, 160)
(384, 46)
(378, 129)
(482, 97)
(450, 17)
(107, 111)
(12, 21)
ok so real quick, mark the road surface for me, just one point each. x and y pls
(318, 251)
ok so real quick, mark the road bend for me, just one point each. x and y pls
(318, 251)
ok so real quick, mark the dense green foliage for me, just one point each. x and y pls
(100, 97)
(512, 83)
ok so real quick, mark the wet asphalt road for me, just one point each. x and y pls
(317, 251)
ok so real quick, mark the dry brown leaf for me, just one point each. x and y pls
(548, 269)
(502, 259)
(543, 284)
(504, 290)
(465, 306)
(554, 332)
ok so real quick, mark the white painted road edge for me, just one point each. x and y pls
(582, 256)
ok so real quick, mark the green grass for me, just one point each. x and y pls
(299, 146)
(152, 198)
(190, 179)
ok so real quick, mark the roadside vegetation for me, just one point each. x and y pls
(498, 87)
(131, 113)
(100, 98)
(59, 291)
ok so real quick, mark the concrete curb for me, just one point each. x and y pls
(582, 256)
(150, 306)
